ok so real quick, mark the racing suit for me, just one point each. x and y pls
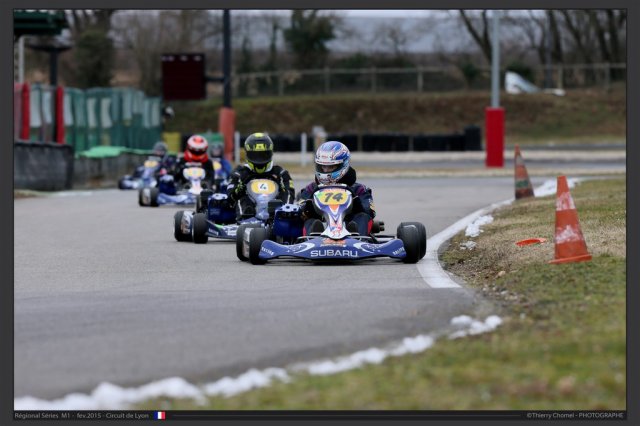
(237, 190)
(362, 212)
(183, 164)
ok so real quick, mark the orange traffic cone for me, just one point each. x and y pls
(523, 184)
(570, 244)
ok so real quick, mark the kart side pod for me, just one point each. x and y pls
(287, 222)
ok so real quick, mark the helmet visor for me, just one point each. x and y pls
(259, 157)
(327, 168)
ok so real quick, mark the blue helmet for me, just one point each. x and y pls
(332, 162)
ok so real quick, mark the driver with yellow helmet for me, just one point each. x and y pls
(259, 154)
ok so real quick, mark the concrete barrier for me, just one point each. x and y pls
(106, 171)
(42, 166)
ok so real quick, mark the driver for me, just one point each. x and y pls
(160, 153)
(259, 151)
(216, 153)
(332, 167)
(195, 154)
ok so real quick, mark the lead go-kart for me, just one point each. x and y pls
(335, 243)
(215, 218)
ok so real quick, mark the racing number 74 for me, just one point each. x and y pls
(332, 195)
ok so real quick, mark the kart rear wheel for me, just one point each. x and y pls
(422, 235)
(377, 227)
(177, 227)
(256, 237)
(200, 228)
(153, 196)
(410, 237)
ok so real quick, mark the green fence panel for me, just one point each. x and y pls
(81, 130)
(116, 130)
(137, 109)
(35, 112)
(127, 116)
(93, 124)
(47, 106)
(106, 122)
(151, 122)
(69, 122)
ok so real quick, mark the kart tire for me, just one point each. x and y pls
(153, 196)
(200, 228)
(140, 198)
(422, 235)
(377, 227)
(121, 184)
(239, 242)
(256, 237)
(410, 237)
(202, 200)
(177, 227)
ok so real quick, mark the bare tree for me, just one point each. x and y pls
(82, 19)
(479, 31)
(148, 34)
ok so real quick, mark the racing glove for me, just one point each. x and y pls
(238, 190)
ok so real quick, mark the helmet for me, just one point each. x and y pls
(259, 150)
(332, 162)
(216, 150)
(196, 149)
(160, 149)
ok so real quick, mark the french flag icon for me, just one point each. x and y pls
(160, 415)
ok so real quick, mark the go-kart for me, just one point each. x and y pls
(217, 219)
(144, 175)
(169, 192)
(335, 243)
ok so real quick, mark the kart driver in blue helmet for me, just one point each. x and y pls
(332, 164)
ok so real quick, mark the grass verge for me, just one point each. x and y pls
(561, 347)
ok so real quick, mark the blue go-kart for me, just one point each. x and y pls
(215, 218)
(335, 243)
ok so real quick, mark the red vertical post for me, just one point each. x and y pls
(227, 126)
(26, 120)
(59, 136)
(494, 128)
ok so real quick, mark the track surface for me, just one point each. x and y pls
(103, 293)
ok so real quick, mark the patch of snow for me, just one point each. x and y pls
(468, 245)
(469, 326)
(550, 187)
(473, 229)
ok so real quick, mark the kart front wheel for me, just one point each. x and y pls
(410, 237)
(240, 240)
(200, 228)
(256, 237)
(141, 197)
(422, 235)
(177, 227)
(153, 196)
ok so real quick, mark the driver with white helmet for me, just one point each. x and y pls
(333, 166)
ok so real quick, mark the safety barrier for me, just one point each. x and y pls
(42, 166)
(469, 140)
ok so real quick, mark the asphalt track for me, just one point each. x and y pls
(103, 293)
